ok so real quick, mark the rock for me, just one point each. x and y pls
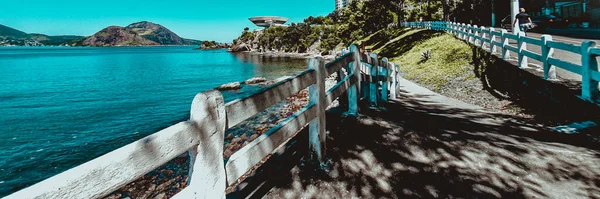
(253, 137)
(314, 48)
(255, 80)
(160, 196)
(239, 47)
(230, 86)
(236, 140)
(165, 185)
(227, 153)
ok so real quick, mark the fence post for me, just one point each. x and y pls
(492, 39)
(483, 33)
(316, 128)
(208, 170)
(504, 41)
(589, 86)
(521, 45)
(394, 84)
(469, 33)
(354, 90)
(456, 29)
(385, 73)
(475, 34)
(547, 52)
(463, 31)
(374, 82)
(365, 85)
(343, 99)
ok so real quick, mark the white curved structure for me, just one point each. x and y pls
(268, 21)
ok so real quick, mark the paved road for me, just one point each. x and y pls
(563, 55)
(425, 145)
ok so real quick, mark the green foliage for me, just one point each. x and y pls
(209, 44)
(341, 27)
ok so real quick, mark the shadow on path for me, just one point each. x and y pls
(419, 148)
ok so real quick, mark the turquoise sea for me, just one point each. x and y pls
(63, 106)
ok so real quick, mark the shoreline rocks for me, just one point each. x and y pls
(230, 86)
(255, 80)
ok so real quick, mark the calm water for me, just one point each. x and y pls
(60, 107)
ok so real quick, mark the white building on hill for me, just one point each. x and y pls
(339, 4)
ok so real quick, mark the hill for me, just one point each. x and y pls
(10, 36)
(6, 31)
(137, 34)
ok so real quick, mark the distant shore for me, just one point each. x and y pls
(287, 55)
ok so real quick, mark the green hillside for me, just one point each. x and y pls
(6, 31)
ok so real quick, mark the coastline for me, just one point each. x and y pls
(271, 54)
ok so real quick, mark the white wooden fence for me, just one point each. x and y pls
(203, 135)
(480, 36)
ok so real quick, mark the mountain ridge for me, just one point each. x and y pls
(143, 33)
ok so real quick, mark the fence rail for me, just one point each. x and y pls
(588, 69)
(360, 76)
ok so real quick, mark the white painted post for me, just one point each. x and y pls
(373, 83)
(469, 33)
(366, 85)
(456, 28)
(504, 41)
(316, 133)
(476, 34)
(394, 84)
(492, 39)
(208, 175)
(589, 86)
(482, 34)
(385, 72)
(521, 45)
(465, 32)
(354, 90)
(547, 52)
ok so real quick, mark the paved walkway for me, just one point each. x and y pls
(424, 145)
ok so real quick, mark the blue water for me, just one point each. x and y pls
(62, 106)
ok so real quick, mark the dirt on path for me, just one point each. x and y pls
(425, 145)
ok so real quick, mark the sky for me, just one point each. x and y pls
(219, 20)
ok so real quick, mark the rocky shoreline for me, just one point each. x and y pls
(271, 54)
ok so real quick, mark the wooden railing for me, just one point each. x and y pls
(202, 136)
(480, 36)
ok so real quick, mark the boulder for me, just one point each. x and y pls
(230, 86)
(255, 80)
(239, 47)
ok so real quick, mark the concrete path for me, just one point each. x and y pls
(425, 145)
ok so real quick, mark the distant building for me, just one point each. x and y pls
(339, 4)
(268, 21)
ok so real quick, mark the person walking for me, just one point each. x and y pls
(524, 20)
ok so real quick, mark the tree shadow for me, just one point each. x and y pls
(419, 148)
(555, 102)
(380, 38)
(400, 46)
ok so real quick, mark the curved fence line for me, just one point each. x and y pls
(478, 36)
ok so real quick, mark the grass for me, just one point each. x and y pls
(450, 57)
